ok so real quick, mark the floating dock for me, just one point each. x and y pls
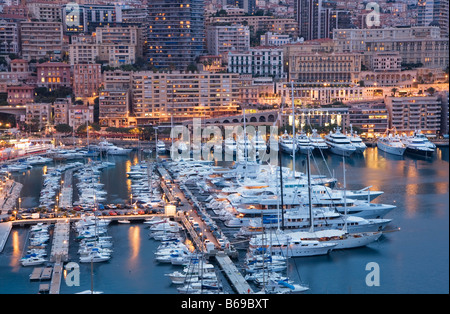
(60, 245)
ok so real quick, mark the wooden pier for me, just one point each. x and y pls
(55, 284)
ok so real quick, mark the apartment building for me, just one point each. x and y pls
(80, 115)
(372, 118)
(258, 61)
(38, 113)
(20, 95)
(61, 111)
(83, 49)
(119, 45)
(408, 114)
(87, 79)
(39, 39)
(159, 97)
(114, 107)
(222, 39)
(9, 38)
(53, 75)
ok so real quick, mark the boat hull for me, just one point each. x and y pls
(399, 151)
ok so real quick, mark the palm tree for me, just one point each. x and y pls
(394, 91)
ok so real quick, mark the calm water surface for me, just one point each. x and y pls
(413, 260)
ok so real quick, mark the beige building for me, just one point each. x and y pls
(39, 113)
(80, 115)
(322, 67)
(224, 38)
(119, 45)
(114, 108)
(41, 38)
(61, 111)
(49, 11)
(83, 49)
(414, 44)
(156, 97)
(408, 114)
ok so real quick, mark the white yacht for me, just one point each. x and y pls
(287, 144)
(304, 145)
(160, 147)
(119, 151)
(356, 140)
(339, 143)
(391, 144)
(284, 244)
(317, 141)
(425, 139)
(416, 145)
(38, 160)
(32, 261)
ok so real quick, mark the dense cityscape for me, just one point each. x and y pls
(92, 93)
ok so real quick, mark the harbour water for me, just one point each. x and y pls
(413, 260)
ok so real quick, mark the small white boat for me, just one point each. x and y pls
(123, 221)
(32, 261)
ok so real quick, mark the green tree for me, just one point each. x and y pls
(63, 128)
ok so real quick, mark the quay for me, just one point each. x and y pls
(65, 200)
(5, 229)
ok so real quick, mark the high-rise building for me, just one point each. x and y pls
(307, 14)
(176, 34)
(433, 12)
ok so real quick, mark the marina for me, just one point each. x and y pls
(200, 221)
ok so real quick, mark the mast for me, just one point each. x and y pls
(294, 142)
(311, 217)
(281, 187)
(345, 198)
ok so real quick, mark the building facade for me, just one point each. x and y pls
(176, 33)
(258, 61)
(39, 39)
(161, 97)
(408, 114)
(53, 75)
(87, 79)
(222, 39)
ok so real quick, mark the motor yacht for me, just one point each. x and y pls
(339, 143)
(391, 144)
(303, 143)
(287, 143)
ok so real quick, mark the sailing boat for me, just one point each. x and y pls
(341, 238)
(284, 244)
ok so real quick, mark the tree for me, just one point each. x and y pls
(431, 91)
(394, 91)
(63, 128)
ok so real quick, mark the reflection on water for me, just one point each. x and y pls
(134, 237)
(16, 252)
